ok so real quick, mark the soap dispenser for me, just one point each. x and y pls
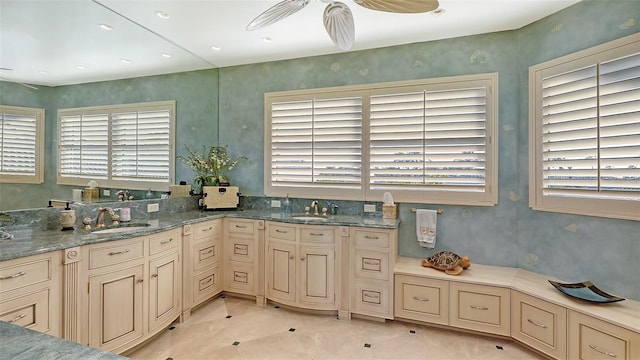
(286, 206)
(67, 218)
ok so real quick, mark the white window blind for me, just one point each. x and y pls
(317, 141)
(128, 146)
(428, 138)
(21, 153)
(585, 132)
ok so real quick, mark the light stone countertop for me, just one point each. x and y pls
(28, 241)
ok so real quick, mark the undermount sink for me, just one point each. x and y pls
(121, 229)
(309, 218)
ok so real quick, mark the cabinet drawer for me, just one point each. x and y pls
(30, 311)
(20, 273)
(163, 241)
(372, 238)
(591, 338)
(372, 264)
(239, 277)
(422, 299)
(205, 230)
(323, 234)
(205, 254)
(539, 324)
(205, 285)
(240, 227)
(282, 232)
(240, 249)
(116, 253)
(480, 307)
(372, 299)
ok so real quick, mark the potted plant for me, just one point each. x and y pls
(211, 165)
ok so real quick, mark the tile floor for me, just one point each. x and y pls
(235, 328)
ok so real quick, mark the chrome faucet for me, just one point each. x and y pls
(102, 212)
(314, 206)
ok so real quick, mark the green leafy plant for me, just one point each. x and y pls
(211, 165)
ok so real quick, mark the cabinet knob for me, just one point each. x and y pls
(302, 258)
(291, 257)
(154, 275)
(140, 280)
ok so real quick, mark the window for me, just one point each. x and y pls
(21, 145)
(126, 146)
(425, 141)
(585, 132)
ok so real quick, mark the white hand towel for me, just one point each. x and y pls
(426, 221)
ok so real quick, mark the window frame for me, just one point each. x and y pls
(618, 208)
(38, 177)
(426, 195)
(118, 109)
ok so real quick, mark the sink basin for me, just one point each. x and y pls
(309, 218)
(121, 229)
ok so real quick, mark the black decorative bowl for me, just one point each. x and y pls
(586, 291)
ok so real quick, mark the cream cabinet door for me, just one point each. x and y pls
(115, 307)
(317, 275)
(164, 290)
(281, 271)
(591, 338)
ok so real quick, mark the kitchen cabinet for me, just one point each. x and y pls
(30, 292)
(591, 338)
(241, 255)
(202, 274)
(372, 255)
(134, 289)
(302, 265)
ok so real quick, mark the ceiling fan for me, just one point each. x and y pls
(338, 19)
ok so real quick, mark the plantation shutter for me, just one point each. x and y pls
(429, 139)
(591, 129)
(140, 145)
(84, 146)
(317, 141)
(18, 143)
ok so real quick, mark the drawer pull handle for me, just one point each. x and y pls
(21, 273)
(419, 298)
(166, 242)
(371, 237)
(241, 275)
(376, 296)
(240, 247)
(119, 252)
(316, 234)
(17, 318)
(208, 251)
(602, 351)
(369, 262)
(537, 324)
(241, 226)
(140, 280)
(281, 231)
(477, 307)
(210, 279)
(208, 229)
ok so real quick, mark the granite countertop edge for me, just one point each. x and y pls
(28, 241)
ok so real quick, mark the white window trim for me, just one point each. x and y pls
(610, 208)
(488, 198)
(38, 178)
(111, 183)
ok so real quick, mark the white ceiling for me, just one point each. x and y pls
(42, 42)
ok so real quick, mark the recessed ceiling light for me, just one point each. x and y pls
(267, 39)
(106, 27)
(162, 15)
(438, 12)
(213, 47)
(81, 67)
(126, 61)
(166, 55)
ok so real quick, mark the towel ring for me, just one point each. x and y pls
(439, 211)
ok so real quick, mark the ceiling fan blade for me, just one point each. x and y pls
(276, 13)
(338, 20)
(400, 6)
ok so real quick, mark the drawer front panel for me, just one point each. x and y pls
(372, 238)
(240, 249)
(539, 324)
(282, 232)
(21, 274)
(372, 264)
(317, 235)
(241, 227)
(239, 278)
(591, 338)
(372, 299)
(422, 299)
(205, 254)
(30, 311)
(482, 308)
(163, 241)
(205, 230)
(116, 254)
(205, 285)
